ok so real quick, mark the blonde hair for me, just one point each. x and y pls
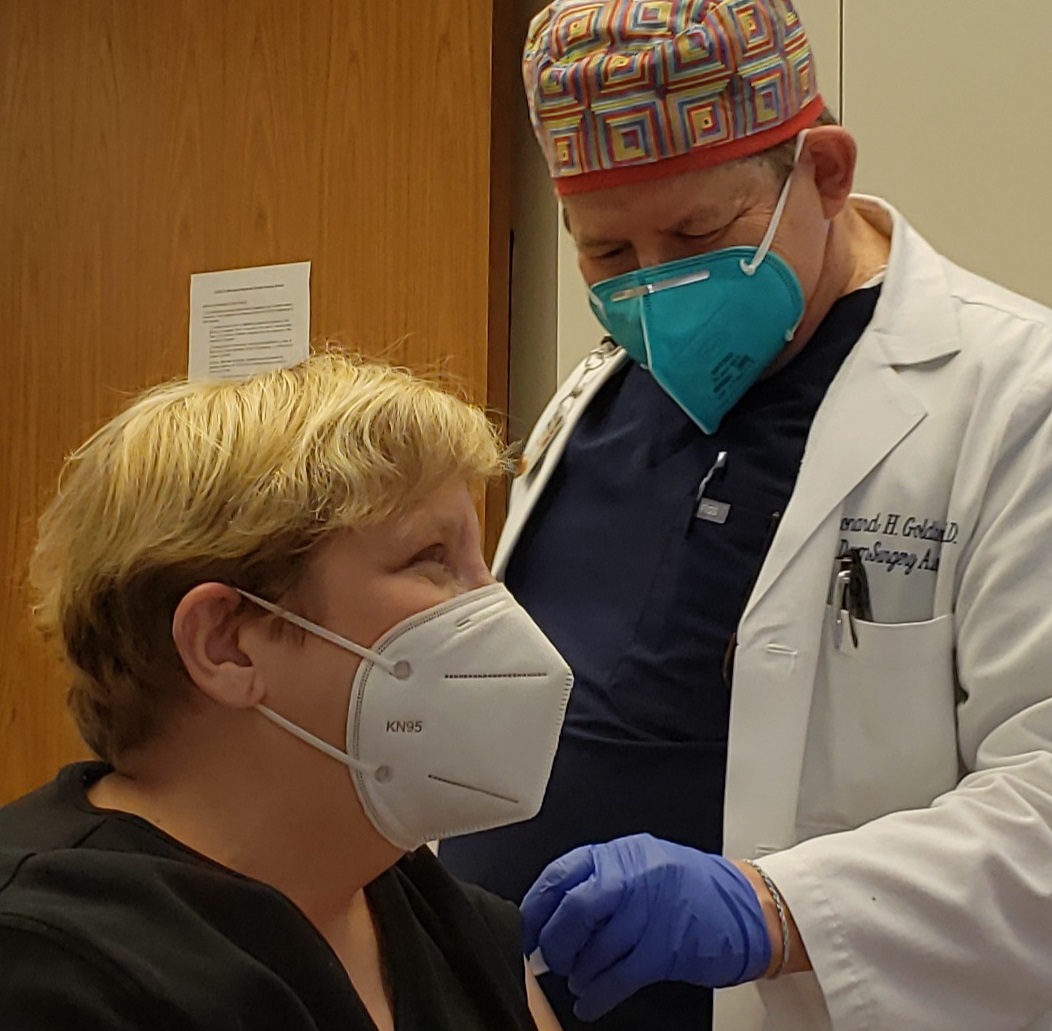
(231, 481)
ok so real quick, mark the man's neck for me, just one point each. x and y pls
(855, 252)
(869, 249)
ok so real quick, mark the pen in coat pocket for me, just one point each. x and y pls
(850, 595)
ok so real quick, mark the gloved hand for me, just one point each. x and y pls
(616, 917)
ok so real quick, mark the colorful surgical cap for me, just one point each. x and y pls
(623, 91)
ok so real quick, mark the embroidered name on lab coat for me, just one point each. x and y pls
(900, 540)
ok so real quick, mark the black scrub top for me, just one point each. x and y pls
(641, 595)
(109, 924)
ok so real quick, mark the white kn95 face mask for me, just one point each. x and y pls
(454, 717)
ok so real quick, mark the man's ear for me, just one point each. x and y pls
(207, 629)
(833, 152)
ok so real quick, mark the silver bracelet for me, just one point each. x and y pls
(779, 905)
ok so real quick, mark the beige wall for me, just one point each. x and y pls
(822, 21)
(579, 331)
(947, 103)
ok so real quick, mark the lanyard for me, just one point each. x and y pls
(536, 451)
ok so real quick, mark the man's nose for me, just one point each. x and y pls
(659, 253)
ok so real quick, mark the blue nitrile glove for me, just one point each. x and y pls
(614, 918)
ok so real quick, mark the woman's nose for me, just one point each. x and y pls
(483, 579)
(476, 577)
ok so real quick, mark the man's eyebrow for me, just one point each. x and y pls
(705, 213)
(593, 242)
(585, 241)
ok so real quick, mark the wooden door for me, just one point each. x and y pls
(141, 142)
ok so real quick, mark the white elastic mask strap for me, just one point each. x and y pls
(323, 746)
(326, 635)
(294, 729)
(765, 244)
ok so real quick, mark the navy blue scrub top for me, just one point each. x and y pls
(641, 596)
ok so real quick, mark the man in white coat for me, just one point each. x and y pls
(859, 490)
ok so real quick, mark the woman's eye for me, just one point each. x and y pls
(434, 553)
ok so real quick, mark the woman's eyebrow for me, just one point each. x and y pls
(426, 526)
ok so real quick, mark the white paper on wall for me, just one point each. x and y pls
(244, 321)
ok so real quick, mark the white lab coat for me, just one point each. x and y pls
(900, 791)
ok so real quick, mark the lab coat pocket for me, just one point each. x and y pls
(882, 735)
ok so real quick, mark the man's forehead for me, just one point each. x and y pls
(682, 202)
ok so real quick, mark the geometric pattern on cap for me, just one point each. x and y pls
(616, 85)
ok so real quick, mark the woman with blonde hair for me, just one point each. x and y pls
(295, 669)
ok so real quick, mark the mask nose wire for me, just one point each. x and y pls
(749, 267)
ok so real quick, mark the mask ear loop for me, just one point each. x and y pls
(750, 267)
(399, 670)
(370, 769)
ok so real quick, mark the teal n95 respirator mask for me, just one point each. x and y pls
(706, 326)
(454, 717)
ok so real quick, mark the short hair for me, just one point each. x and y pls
(782, 157)
(232, 481)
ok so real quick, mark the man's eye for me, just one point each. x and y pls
(616, 252)
(701, 236)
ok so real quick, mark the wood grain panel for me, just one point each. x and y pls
(141, 142)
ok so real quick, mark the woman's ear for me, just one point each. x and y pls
(207, 630)
(833, 152)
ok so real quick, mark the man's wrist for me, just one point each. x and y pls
(793, 959)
